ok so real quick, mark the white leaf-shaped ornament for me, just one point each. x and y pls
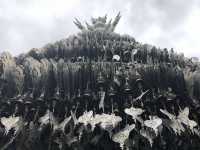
(111, 122)
(10, 122)
(154, 124)
(184, 118)
(122, 135)
(173, 122)
(108, 122)
(176, 126)
(134, 112)
(86, 117)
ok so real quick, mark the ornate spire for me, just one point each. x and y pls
(99, 23)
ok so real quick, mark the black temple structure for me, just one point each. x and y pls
(99, 90)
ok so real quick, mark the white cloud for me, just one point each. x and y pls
(190, 43)
(33, 23)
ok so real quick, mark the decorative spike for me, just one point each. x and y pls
(78, 24)
(105, 18)
(116, 21)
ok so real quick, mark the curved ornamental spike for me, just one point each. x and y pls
(142, 95)
(79, 24)
(116, 21)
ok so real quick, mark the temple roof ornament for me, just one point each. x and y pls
(99, 24)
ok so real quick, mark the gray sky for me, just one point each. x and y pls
(26, 24)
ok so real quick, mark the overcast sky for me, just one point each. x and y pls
(26, 24)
